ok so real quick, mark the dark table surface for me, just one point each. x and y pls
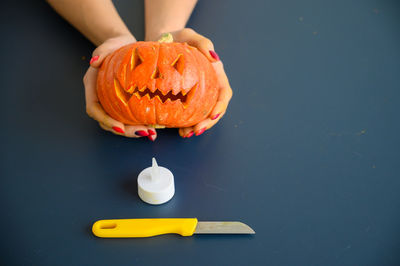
(308, 154)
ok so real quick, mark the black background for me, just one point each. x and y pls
(307, 154)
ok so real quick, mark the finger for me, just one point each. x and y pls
(201, 127)
(109, 46)
(136, 131)
(152, 133)
(99, 54)
(93, 107)
(141, 131)
(214, 121)
(180, 132)
(206, 124)
(106, 128)
(202, 43)
(186, 132)
(225, 92)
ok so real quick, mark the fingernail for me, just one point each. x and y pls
(142, 133)
(94, 58)
(214, 55)
(190, 134)
(150, 137)
(118, 129)
(151, 132)
(215, 117)
(201, 131)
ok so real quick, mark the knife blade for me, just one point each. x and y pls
(123, 228)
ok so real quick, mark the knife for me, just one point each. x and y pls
(121, 228)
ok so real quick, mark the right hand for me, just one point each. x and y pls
(93, 107)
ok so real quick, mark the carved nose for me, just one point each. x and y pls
(156, 74)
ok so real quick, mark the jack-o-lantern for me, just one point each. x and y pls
(157, 83)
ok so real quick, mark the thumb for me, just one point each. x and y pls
(98, 55)
(203, 44)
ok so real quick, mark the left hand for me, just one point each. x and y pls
(93, 106)
(206, 47)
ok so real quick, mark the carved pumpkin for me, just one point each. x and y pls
(159, 84)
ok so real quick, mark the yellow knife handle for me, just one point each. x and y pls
(144, 227)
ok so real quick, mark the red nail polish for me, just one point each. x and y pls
(215, 117)
(201, 131)
(150, 137)
(119, 130)
(151, 132)
(142, 133)
(94, 58)
(190, 134)
(214, 55)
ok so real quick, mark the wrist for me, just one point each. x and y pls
(122, 34)
(115, 34)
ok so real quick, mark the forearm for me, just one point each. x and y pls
(166, 16)
(98, 20)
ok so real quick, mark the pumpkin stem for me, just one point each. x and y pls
(166, 38)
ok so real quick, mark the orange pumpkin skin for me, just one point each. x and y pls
(151, 83)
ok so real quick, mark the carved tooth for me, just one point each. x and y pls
(184, 104)
(148, 96)
(152, 88)
(131, 89)
(143, 89)
(158, 97)
(137, 95)
(175, 93)
(189, 90)
(163, 92)
(178, 100)
(191, 94)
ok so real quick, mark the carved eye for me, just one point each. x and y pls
(178, 64)
(135, 59)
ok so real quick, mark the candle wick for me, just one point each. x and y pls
(155, 171)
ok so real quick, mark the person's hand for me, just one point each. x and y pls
(205, 46)
(93, 107)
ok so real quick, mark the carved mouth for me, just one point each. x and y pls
(163, 98)
(146, 92)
